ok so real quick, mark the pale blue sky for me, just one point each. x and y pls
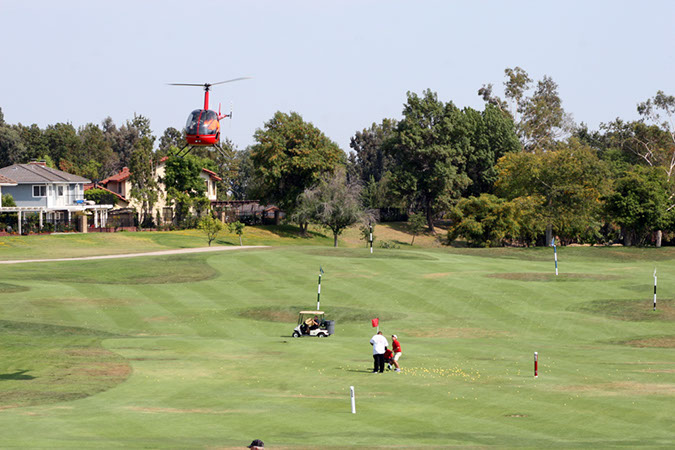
(342, 65)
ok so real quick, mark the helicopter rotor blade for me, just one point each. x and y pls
(188, 84)
(229, 81)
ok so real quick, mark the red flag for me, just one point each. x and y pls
(375, 321)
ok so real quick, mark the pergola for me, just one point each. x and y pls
(100, 212)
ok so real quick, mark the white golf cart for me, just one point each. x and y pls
(313, 323)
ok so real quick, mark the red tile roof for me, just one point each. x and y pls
(120, 176)
(213, 175)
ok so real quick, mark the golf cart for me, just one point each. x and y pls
(313, 323)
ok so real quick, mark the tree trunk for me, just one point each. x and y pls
(240, 244)
(659, 237)
(627, 238)
(335, 236)
(549, 234)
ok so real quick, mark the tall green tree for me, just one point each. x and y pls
(289, 156)
(429, 157)
(640, 204)
(63, 141)
(370, 158)
(144, 187)
(539, 116)
(12, 148)
(491, 135)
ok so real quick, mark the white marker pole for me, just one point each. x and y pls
(555, 256)
(654, 288)
(318, 294)
(351, 389)
(371, 239)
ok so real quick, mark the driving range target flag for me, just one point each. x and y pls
(318, 294)
(654, 288)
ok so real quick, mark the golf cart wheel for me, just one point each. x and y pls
(321, 335)
(296, 334)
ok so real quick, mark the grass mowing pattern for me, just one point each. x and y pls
(213, 365)
(45, 364)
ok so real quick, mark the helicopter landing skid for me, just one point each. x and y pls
(188, 148)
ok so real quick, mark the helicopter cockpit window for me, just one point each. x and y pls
(192, 124)
(208, 123)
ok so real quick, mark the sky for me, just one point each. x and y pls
(342, 65)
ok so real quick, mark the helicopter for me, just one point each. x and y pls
(203, 125)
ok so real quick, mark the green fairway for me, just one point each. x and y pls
(194, 351)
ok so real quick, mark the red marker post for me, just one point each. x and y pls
(536, 360)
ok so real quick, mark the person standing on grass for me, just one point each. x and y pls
(379, 344)
(257, 444)
(396, 347)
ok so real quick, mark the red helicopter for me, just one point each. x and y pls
(203, 125)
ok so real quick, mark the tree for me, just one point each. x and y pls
(429, 157)
(237, 228)
(171, 138)
(416, 224)
(12, 148)
(184, 186)
(639, 204)
(490, 221)
(289, 156)
(100, 196)
(144, 187)
(660, 111)
(540, 118)
(369, 158)
(243, 184)
(63, 141)
(333, 203)
(571, 180)
(211, 227)
(491, 135)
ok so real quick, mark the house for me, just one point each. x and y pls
(120, 185)
(52, 194)
(250, 212)
(4, 181)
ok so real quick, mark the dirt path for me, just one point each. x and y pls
(179, 251)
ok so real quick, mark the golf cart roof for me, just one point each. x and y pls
(311, 312)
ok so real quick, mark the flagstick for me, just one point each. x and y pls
(371, 239)
(318, 294)
(555, 256)
(654, 288)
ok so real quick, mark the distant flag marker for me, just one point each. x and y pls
(318, 294)
(536, 368)
(351, 393)
(371, 239)
(654, 288)
(376, 323)
(555, 256)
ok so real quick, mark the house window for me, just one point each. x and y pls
(39, 190)
(167, 214)
(59, 191)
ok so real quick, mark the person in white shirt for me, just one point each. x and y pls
(379, 344)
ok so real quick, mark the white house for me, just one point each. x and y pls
(120, 184)
(53, 194)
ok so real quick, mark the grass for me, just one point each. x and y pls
(194, 351)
